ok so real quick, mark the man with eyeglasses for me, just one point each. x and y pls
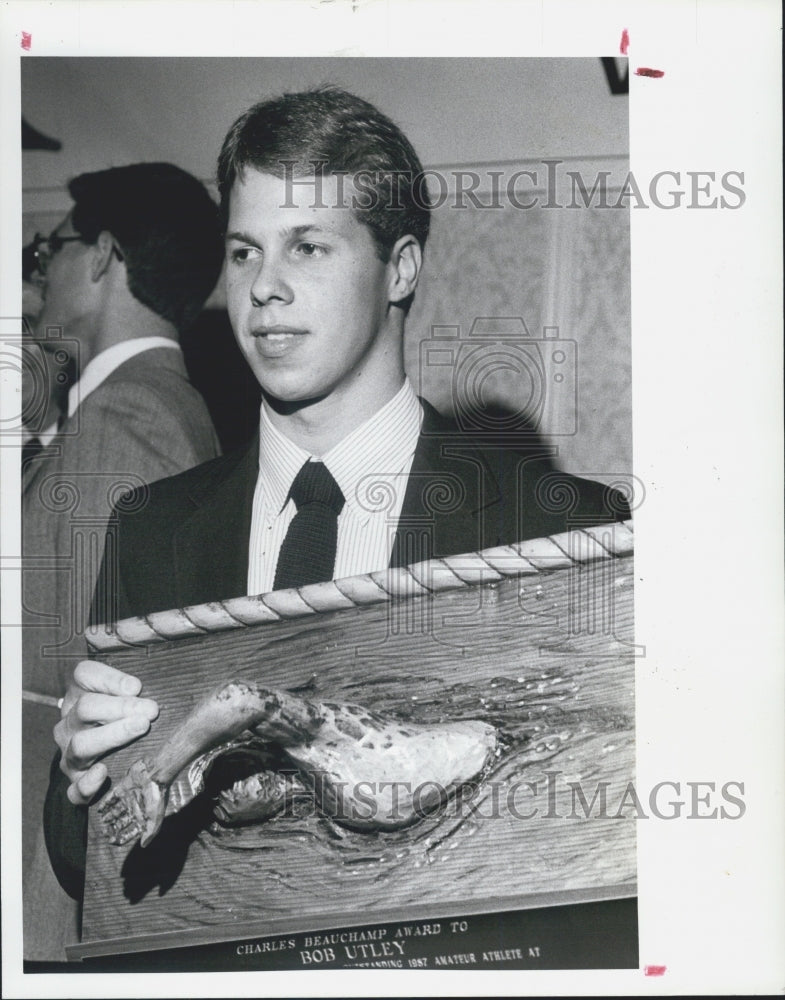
(127, 269)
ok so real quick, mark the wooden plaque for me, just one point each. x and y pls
(535, 639)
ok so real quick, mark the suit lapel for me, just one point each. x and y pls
(449, 496)
(49, 458)
(211, 542)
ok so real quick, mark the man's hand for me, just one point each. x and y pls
(100, 712)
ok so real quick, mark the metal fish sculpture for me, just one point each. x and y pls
(368, 772)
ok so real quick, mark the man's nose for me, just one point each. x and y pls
(270, 282)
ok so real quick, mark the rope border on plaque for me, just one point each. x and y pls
(568, 548)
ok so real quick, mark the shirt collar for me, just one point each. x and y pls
(279, 461)
(102, 365)
(100, 368)
(379, 448)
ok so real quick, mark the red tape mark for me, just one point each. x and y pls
(655, 74)
(654, 970)
(625, 42)
(27, 40)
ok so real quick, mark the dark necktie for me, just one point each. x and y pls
(308, 551)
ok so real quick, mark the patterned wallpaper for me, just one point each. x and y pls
(557, 268)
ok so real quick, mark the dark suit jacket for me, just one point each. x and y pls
(187, 542)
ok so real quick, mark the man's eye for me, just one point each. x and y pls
(242, 254)
(309, 249)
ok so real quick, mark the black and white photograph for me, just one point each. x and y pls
(360, 523)
(387, 753)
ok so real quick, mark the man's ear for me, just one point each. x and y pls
(406, 264)
(103, 248)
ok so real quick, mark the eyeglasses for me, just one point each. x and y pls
(45, 247)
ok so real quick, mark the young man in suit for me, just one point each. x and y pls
(326, 220)
(128, 267)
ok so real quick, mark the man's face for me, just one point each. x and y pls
(65, 287)
(308, 297)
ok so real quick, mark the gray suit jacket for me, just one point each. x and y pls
(144, 422)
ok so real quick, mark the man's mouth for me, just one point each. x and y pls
(277, 341)
(277, 333)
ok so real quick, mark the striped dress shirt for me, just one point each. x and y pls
(371, 465)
